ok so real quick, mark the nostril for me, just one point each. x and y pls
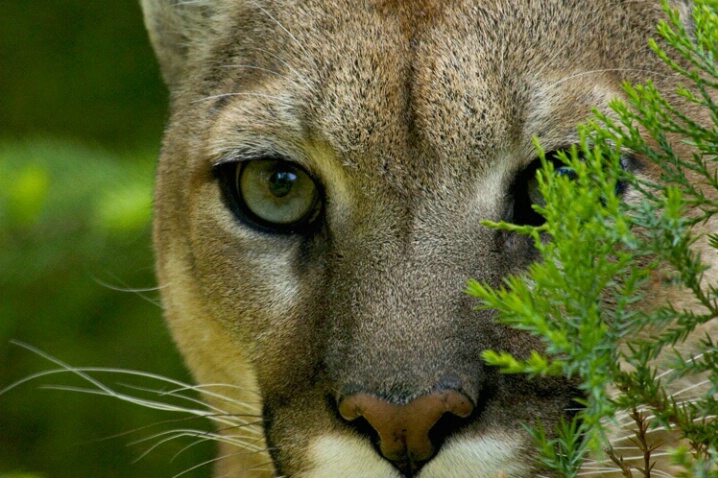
(406, 432)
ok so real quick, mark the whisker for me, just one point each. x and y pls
(208, 462)
(147, 427)
(605, 70)
(668, 372)
(200, 465)
(200, 389)
(199, 441)
(596, 471)
(205, 436)
(224, 95)
(279, 24)
(127, 289)
(249, 437)
(210, 412)
(310, 87)
(173, 434)
(244, 426)
(267, 70)
(82, 372)
(140, 291)
(152, 404)
(663, 428)
(694, 386)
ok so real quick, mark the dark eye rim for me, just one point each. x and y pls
(522, 212)
(225, 175)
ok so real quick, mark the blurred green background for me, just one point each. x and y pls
(81, 113)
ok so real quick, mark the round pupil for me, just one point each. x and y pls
(281, 182)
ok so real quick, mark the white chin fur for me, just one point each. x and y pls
(338, 456)
(488, 456)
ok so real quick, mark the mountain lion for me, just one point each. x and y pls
(323, 175)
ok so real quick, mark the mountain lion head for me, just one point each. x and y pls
(323, 177)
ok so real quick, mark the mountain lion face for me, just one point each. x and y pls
(322, 180)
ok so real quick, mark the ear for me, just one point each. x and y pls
(175, 27)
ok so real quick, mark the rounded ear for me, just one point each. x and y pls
(174, 26)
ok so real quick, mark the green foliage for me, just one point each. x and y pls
(600, 254)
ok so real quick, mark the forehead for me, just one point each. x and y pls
(391, 85)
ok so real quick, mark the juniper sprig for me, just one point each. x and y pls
(598, 256)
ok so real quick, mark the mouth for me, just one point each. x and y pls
(490, 455)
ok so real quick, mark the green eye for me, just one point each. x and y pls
(533, 188)
(276, 193)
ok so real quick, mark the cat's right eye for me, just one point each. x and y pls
(525, 190)
(272, 194)
(532, 185)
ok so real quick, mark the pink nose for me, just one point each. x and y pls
(404, 429)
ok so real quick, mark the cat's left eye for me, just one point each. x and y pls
(270, 194)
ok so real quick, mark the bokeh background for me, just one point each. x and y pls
(82, 107)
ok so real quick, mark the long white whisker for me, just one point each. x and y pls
(152, 404)
(200, 465)
(147, 427)
(67, 368)
(225, 95)
(140, 291)
(605, 70)
(219, 438)
(208, 462)
(176, 393)
(287, 65)
(211, 412)
(174, 434)
(668, 372)
(267, 70)
(134, 290)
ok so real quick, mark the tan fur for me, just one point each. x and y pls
(415, 117)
